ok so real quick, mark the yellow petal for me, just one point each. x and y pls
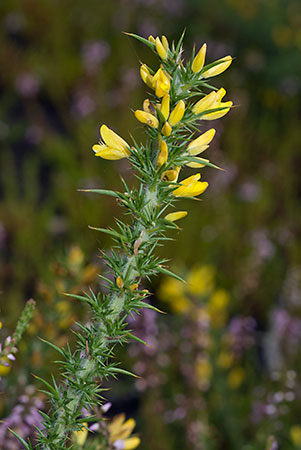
(199, 60)
(222, 65)
(116, 424)
(191, 179)
(147, 118)
(162, 52)
(163, 154)
(165, 43)
(151, 39)
(146, 76)
(110, 153)
(131, 443)
(220, 94)
(218, 114)
(205, 103)
(80, 437)
(165, 106)
(161, 83)
(166, 129)
(194, 189)
(177, 113)
(200, 144)
(112, 139)
(172, 217)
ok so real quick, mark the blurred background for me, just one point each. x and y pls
(66, 68)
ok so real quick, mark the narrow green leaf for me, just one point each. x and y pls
(101, 191)
(141, 39)
(171, 274)
(27, 447)
(123, 371)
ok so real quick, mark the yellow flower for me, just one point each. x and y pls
(201, 143)
(236, 377)
(205, 103)
(172, 217)
(203, 370)
(165, 105)
(191, 187)
(225, 360)
(199, 60)
(4, 369)
(166, 129)
(161, 83)
(147, 118)
(161, 48)
(151, 39)
(80, 437)
(200, 280)
(114, 147)
(210, 102)
(146, 76)
(177, 113)
(171, 175)
(120, 431)
(222, 65)
(163, 154)
(295, 433)
(174, 117)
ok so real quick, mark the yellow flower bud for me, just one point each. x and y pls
(205, 103)
(198, 165)
(166, 129)
(162, 52)
(151, 39)
(172, 217)
(147, 118)
(222, 65)
(119, 282)
(200, 144)
(133, 287)
(146, 76)
(177, 113)
(165, 42)
(161, 83)
(163, 154)
(199, 60)
(165, 106)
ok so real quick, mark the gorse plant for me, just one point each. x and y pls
(171, 116)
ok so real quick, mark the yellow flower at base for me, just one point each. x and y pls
(222, 65)
(191, 187)
(113, 148)
(295, 433)
(166, 129)
(147, 118)
(171, 175)
(205, 103)
(199, 60)
(120, 431)
(80, 437)
(4, 369)
(172, 217)
(236, 377)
